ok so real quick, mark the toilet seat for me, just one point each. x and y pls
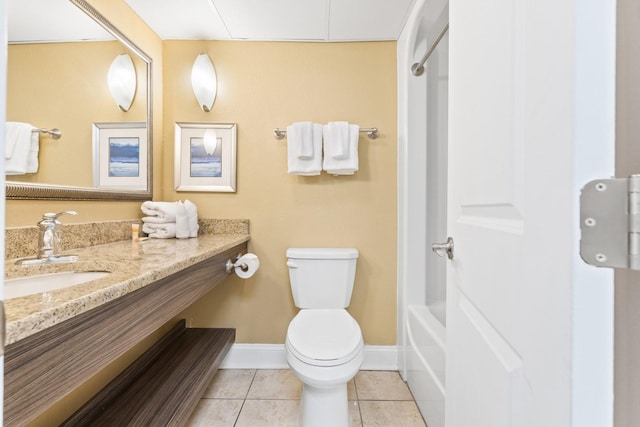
(324, 337)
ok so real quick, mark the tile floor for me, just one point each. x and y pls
(270, 398)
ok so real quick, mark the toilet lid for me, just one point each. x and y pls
(324, 337)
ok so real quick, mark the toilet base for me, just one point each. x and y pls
(324, 406)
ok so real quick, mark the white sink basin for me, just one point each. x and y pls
(23, 286)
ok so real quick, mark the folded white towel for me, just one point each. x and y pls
(301, 166)
(337, 144)
(348, 165)
(300, 139)
(21, 148)
(160, 231)
(165, 210)
(182, 222)
(192, 217)
(157, 220)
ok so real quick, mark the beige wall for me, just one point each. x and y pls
(19, 212)
(264, 85)
(627, 292)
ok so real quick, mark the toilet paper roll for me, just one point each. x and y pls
(251, 262)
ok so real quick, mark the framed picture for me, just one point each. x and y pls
(120, 155)
(205, 157)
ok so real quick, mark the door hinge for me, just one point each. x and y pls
(610, 222)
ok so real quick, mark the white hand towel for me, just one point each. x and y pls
(347, 166)
(338, 143)
(308, 167)
(300, 139)
(192, 216)
(21, 148)
(182, 222)
(160, 231)
(157, 220)
(160, 209)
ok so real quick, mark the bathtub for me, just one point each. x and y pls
(422, 201)
(425, 358)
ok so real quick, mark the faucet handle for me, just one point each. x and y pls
(54, 216)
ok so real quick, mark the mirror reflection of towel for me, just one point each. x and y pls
(21, 148)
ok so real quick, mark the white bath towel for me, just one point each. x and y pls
(300, 139)
(192, 216)
(348, 165)
(337, 145)
(166, 210)
(309, 167)
(21, 148)
(160, 231)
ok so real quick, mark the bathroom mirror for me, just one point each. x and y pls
(60, 52)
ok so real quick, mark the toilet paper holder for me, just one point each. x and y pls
(231, 265)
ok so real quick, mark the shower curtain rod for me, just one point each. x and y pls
(418, 68)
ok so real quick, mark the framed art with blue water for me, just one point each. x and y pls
(205, 157)
(120, 155)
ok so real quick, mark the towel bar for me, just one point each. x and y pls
(372, 133)
(55, 133)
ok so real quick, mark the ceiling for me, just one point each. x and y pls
(298, 20)
(50, 21)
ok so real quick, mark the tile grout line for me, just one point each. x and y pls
(255, 371)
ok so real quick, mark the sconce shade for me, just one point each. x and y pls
(210, 141)
(203, 81)
(122, 81)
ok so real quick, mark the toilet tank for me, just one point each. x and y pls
(322, 277)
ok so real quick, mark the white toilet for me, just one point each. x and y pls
(324, 343)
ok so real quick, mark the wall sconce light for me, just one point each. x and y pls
(203, 81)
(122, 81)
(210, 141)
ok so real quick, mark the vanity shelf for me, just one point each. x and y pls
(164, 385)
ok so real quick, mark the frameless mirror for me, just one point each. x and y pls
(59, 55)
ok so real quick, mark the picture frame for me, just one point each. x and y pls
(205, 157)
(120, 155)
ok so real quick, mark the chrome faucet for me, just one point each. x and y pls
(50, 237)
(50, 240)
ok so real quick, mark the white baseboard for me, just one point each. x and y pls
(272, 356)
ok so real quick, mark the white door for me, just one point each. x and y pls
(531, 86)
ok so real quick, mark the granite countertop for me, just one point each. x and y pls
(132, 265)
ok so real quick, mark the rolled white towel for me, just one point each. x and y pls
(160, 231)
(192, 218)
(160, 209)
